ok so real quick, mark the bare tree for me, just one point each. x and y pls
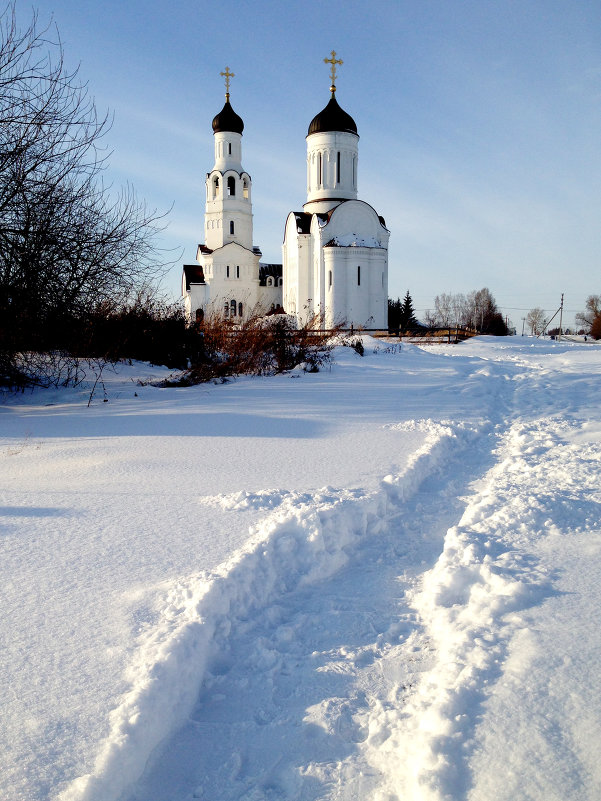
(477, 310)
(535, 320)
(592, 310)
(66, 239)
(459, 309)
(443, 309)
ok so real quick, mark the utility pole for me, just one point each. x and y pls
(560, 318)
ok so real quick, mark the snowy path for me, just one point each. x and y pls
(425, 633)
(375, 683)
(290, 694)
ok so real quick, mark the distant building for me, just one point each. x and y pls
(335, 252)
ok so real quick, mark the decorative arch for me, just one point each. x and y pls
(231, 186)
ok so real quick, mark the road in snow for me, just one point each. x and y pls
(379, 582)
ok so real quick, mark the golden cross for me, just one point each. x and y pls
(333, 61)
(227, 75)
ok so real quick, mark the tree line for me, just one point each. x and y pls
(477, 311)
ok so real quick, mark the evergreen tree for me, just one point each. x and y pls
(394, 314)
(408, 320)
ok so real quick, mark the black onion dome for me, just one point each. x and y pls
(332, 118)
(227, 120)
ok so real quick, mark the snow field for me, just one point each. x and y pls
(180, 626)
(303, 542)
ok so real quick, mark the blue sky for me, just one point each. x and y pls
(480, 126)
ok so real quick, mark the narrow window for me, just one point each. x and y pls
(240, 309)
(231, 226)
(216, 187)
(269, 281)
(226, 309)
(354, 171)
(330, 278)
(231, 186)
(233, 307)
(319, 172)
(245, 189)
(359, 275)
(229, 148)
(237, 271)
(382, 279)
(338, 168)
(227, 271)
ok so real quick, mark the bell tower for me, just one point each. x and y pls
(228, 216)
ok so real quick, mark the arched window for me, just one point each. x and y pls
(269, 281)
(280, 281)
(216, 186)
(233, 307)
(200, 315)
(226, 309)
(231, 186)
(231, 226)
(245, 188)
(359, 275)
(330, 279)
(240, 309)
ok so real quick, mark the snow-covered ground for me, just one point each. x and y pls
(377, 582)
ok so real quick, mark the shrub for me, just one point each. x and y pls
(259, 346)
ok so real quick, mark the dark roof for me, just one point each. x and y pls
(303, 219)
(204, 249)
(303, 222)
(269, 271)
(332, 118)
(193, 274)
(227, 120)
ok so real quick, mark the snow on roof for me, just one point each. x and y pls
(354, 241)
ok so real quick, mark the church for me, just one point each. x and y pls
(335, 251)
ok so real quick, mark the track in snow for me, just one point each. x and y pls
(295, 700)
(352, 650)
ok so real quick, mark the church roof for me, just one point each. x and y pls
(332, 118)
(193, 274)
(227, 120)
(269, 271)
(304, 218)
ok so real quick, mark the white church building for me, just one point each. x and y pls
(335, 251)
